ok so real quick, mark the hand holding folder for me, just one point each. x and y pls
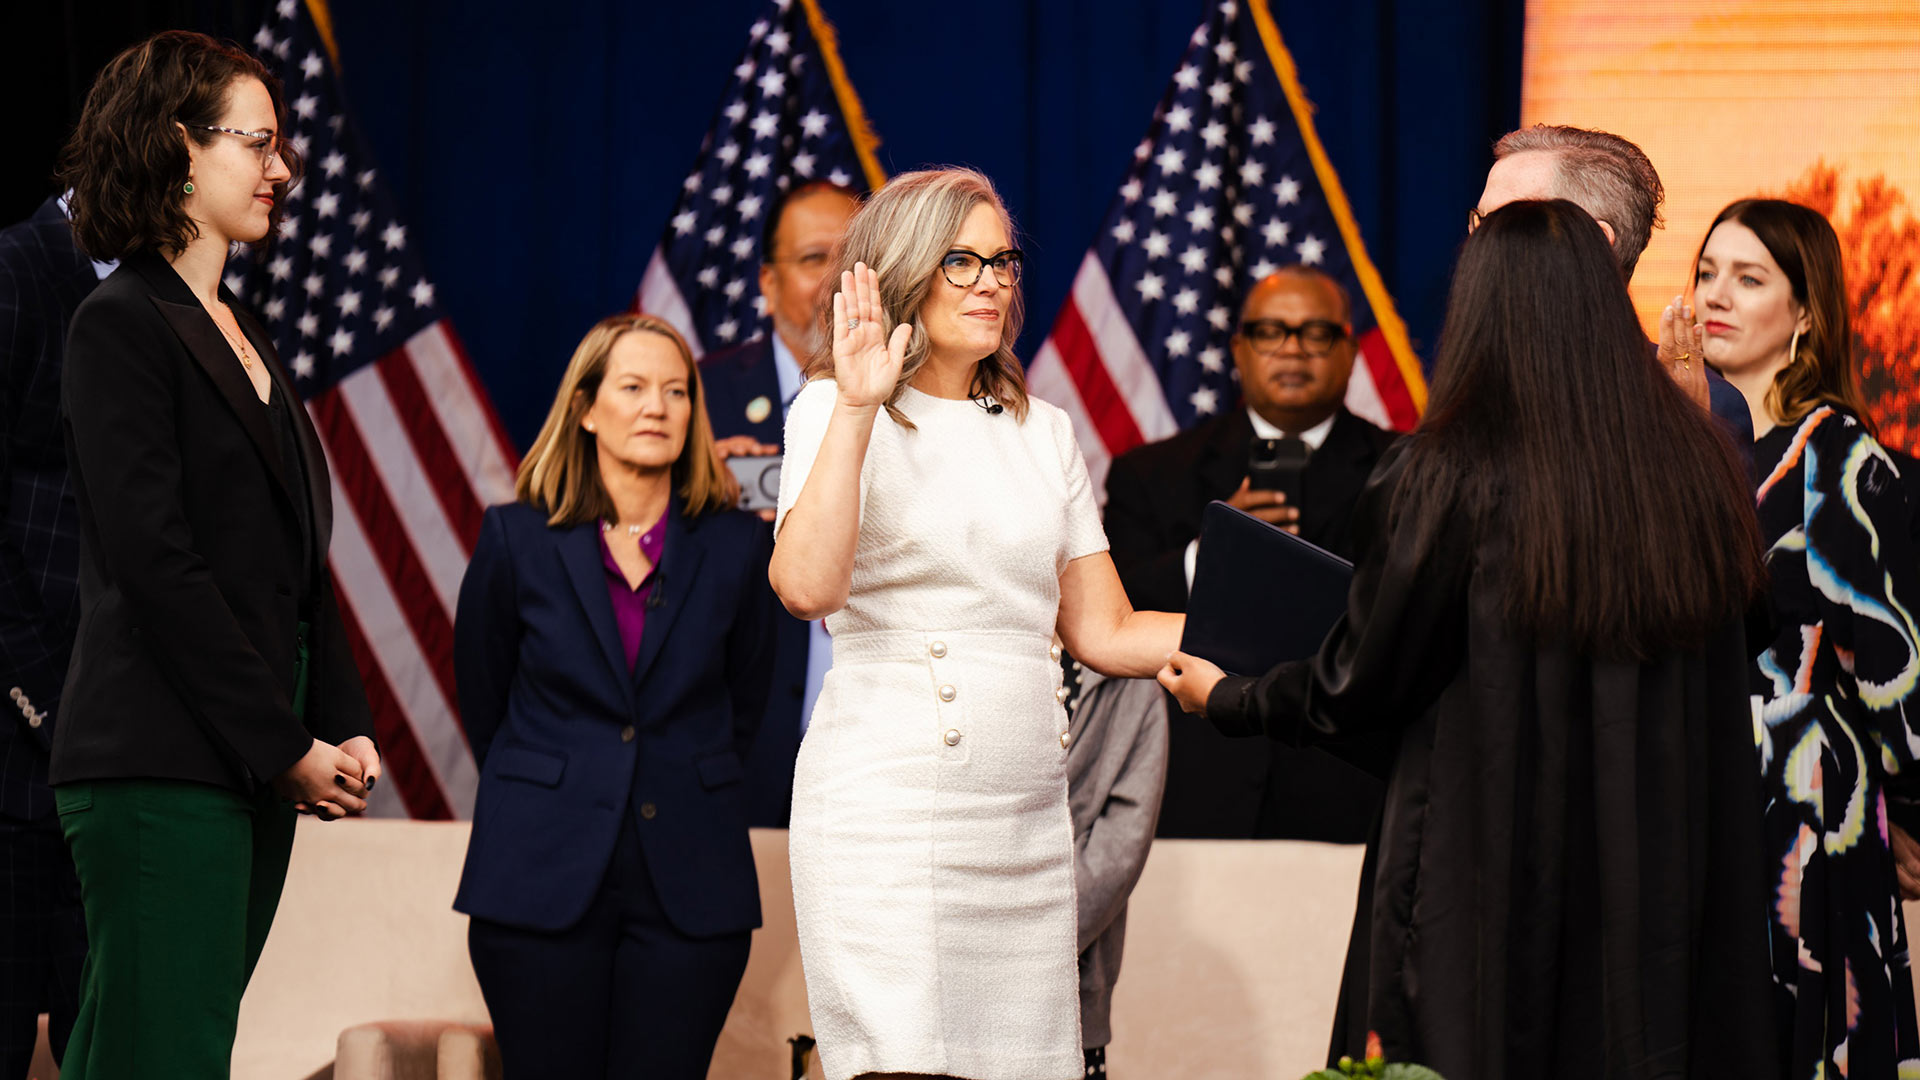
(1260, 595)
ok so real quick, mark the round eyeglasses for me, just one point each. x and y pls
(268, 149)
(963, 268)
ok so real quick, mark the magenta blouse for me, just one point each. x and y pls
(630, 604)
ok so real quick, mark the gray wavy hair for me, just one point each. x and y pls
(1604, 174)
(903, 231)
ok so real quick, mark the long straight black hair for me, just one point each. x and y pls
(1628, 519)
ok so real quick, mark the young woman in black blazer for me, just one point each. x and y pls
(211, 691)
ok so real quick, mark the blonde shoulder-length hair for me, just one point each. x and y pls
(903, 231)
(561, 474)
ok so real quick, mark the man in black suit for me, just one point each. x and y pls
(748, 388)
(43, 938)
(1294, 353)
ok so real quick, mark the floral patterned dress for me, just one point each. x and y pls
(1835, 719)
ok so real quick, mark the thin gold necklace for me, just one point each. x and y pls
(246, 356)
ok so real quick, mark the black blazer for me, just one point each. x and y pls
(1155, 494)
(570, 739)
(734, 379)
(1218, 786)
(190, 551)
(43, 279)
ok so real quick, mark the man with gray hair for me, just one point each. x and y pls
(1611, 179)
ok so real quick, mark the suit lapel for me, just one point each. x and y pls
(763, 380)
(209, 348)
(1341, 465)
(319, 491)
(751, 375)
(579, 549)
(680, 556)
(1225, 462)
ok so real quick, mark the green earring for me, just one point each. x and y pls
(188, 189)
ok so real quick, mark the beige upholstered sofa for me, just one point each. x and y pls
(1233, 955)
(1232, 961)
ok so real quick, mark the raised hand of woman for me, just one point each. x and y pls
(866, 361)
(1681, 343)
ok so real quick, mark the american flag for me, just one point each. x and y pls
(1230, 184)
(412, 442)
(789, 118)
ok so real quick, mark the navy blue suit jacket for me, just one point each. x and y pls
(569, 738)
(733, 379)
(1730, 408)
(43, 278)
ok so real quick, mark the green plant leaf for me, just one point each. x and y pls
(1325, 1074)
(1403, 1071)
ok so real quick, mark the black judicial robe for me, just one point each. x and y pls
(1567, 878)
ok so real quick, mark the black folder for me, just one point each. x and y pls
(1261, 595)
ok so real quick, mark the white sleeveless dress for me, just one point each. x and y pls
(932, 852)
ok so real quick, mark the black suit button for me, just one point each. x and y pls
(626, 733)
(647, 811)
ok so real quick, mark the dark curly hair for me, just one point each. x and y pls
(126, 161)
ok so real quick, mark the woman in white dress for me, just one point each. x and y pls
(942, 522)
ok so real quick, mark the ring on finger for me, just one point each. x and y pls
(853, 324)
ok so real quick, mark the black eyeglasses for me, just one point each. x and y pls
(1317, 336)
(963, 268)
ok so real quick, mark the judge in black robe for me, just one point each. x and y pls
(1567, 880)
(1568, 875)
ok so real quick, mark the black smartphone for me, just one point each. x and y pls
(1278, 465)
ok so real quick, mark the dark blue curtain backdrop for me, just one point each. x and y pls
(536, 148)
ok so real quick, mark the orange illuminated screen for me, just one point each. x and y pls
(1817, 101)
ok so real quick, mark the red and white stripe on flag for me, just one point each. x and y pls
(1229, 185)
(416, 455)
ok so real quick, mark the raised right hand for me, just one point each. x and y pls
(1683, 351)
(866, 362)
(326, 782)
(1268, 506)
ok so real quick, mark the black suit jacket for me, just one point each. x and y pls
(1219, 786)
(190, 551)
(43, 279)
(735, 379)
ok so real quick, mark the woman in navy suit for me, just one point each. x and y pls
(613, 652)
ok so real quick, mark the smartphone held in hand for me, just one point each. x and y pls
(759, 481)
(1277, 465)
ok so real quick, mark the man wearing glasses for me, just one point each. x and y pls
(748, 388)
(1294, 351)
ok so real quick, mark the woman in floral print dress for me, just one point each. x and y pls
(1833, 681)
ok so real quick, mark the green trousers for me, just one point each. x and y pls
(180, 882)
